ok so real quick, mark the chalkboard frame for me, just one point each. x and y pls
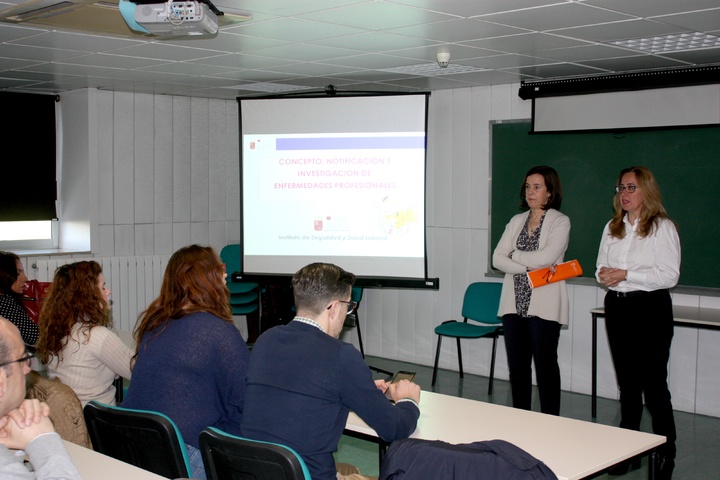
(593, 160)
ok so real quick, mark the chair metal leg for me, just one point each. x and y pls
(492, 365)
(459, 357)
(437, 358)
(362, 350)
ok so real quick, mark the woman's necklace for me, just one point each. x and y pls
(534, 222)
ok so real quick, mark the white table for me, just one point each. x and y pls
(572, 449)
(707, 318)
(96, 466)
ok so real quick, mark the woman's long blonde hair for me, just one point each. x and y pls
(652, 209)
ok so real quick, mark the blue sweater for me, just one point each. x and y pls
(193, 372)
(301, 384)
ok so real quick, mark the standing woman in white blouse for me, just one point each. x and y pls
(638, 261)
(76, 341)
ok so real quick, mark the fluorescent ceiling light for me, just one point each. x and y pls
(671, 43)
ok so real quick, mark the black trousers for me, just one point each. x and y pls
(640, 331)
(528, 339)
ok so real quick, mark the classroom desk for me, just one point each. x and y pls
(572, 449)
(96, 466)
(707, 318)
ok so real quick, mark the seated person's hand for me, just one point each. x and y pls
(30, 411)
(382, 385)
(22, 425)
(405, 389)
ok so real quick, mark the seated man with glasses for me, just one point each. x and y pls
(24, 424)
(302, 381)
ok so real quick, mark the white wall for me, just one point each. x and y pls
(166, 174)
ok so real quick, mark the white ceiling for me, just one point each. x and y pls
(359, 45)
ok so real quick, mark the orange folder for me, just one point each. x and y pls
(556, 273)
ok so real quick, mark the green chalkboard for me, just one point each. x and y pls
(685, 161)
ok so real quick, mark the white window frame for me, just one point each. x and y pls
(35, 244)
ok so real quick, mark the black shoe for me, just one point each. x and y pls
(623, 467)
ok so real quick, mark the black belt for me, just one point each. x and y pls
(634, 293)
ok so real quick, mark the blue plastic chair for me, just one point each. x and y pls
(244, 296)
(480, 320)
(149, 440)
(228, 456)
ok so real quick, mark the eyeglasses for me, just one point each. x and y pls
(350, 305)
(625, 188)
(27, 358)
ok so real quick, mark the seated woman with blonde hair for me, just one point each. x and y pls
(76, 341)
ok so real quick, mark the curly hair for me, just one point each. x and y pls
(74, 297)
(317, 284)
(193, 282)
(653, 210)
(8, 273)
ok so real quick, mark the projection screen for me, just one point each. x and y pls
(337, 179)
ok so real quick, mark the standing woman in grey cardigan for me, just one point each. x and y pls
(532, 318)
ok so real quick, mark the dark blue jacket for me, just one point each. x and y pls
(435, 460)
(301, 384)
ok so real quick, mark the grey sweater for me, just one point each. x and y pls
(49, 459)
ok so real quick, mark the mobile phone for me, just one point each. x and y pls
(403, 375)
(400, 375)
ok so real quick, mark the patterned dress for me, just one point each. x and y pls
(525, 243)
(12, 310)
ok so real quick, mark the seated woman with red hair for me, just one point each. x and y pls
(191, 359)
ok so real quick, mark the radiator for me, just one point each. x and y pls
(134, 282)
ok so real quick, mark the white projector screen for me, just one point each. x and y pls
(334, 179)
(653, 108)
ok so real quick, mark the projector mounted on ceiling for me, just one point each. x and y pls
(101, 16)
(177, 18)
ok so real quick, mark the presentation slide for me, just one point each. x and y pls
(339, 191)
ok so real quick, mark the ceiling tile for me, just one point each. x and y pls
(459, 30)
(586, 53)
(620, 30)
(243, 61)
(305, 52)
(117, 62)
(553, 17)
(651, 8)
(293, 30)
(10, 50)
(471, 8)
(381, 15)
(702, 21)
(645, 62)
(75, 41)
(557, 70)
(697, 57)
(163, 51)
(374, 41)
(527, 43)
